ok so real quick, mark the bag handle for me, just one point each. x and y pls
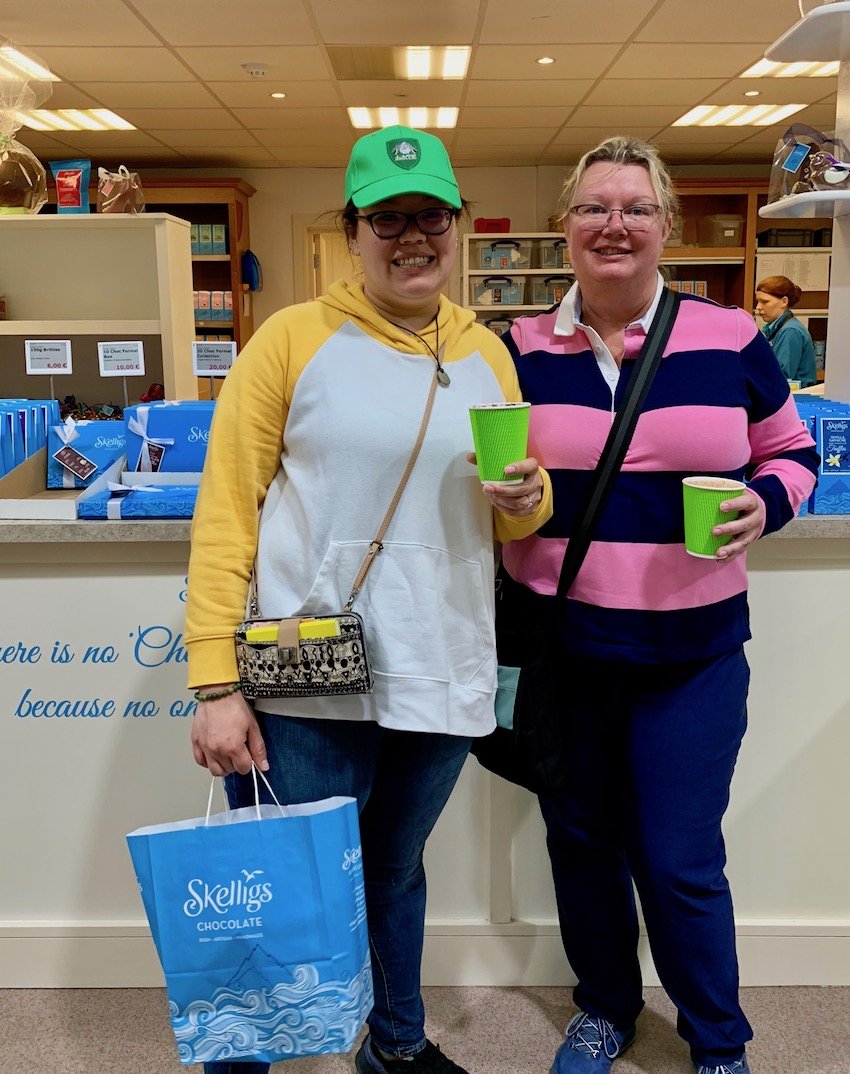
(619, 437)
(254, 771)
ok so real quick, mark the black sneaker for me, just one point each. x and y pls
(429, 1061)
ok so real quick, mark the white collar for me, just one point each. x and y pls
(569, 312)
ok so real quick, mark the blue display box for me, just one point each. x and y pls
(141, 501)
(99, 442)
(168, 437)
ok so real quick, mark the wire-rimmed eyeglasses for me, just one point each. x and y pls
(638, 217)
(390, 223)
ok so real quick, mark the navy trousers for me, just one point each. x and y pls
(652, 752)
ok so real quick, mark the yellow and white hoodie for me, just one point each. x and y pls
(315, 424)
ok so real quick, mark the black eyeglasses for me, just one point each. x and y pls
(389, 224)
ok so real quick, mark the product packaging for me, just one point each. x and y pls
(72, 185)
(806, 159)
(23, 179)
(140, 501)
(78, 452)
(169, 436)
(119, 192)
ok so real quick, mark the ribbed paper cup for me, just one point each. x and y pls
(500, 436)
(702, 497)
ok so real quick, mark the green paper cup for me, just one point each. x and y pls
(702, 497)
(500, 436)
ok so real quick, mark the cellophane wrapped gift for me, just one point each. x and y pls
(23, 179)
(119, 192)
(807, 160)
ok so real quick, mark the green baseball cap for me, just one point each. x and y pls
(399, 160)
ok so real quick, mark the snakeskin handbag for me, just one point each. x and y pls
(316, 655)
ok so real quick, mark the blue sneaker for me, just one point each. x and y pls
(591, 1046)
(740, 1066)
(429, 1061)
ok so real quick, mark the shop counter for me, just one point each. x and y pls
(94, 731)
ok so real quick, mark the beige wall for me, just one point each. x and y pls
(527, 195)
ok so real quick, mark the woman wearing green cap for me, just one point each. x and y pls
(313, 428)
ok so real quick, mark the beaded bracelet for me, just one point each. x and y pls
(217, 695)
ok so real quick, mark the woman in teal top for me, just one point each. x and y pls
(790, 340)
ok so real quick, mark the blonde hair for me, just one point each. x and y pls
(620, 149)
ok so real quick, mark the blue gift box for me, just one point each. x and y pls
(101, 442)
(168, 437)
(141, 501)
(22, 430)
(832, 439)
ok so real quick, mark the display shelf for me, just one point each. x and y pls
(823, 34)
(91, 278)
(40, 329)
(214, 201)
(815, 203)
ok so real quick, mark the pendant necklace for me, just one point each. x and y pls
(437, 354)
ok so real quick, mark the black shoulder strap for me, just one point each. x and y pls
(620, 437)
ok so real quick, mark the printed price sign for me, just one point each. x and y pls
(48, 357)
(126, 359)
(213, 359)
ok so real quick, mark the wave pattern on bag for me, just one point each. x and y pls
(304, 1017)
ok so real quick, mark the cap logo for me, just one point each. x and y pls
(404, 152)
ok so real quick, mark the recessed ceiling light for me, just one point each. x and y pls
(737, 115)
(14, 63)
(424, 61)
(805, 69)
(278, 96)
(73, 119)
(751, 93)
(545, 60)
(420, 118)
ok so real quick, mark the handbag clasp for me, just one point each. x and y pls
(288, 642)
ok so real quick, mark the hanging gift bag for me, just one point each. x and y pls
(259, 920)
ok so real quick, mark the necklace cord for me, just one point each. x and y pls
(435, 352)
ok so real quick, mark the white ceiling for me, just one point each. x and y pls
(173, 68)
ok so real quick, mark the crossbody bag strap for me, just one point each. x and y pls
(376, 545)
(619, 437)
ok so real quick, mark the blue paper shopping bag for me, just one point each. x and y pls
(259, 919)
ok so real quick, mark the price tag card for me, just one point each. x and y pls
(48, 357)
(125, 359)
(213, 359)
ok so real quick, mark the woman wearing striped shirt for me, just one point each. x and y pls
(653, 675)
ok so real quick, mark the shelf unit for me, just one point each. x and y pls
(97, 278)
(728, 272)
(824, 34)
(213, 201)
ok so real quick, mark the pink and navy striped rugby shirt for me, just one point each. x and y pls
(720, 405)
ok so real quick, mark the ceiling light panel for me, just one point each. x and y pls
(737, 115)
(73, 119)
(805, 69)
(23, 66)
(421, 118)
(426, 61)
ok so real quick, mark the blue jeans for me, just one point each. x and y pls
(652, 754)
(401, 780)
